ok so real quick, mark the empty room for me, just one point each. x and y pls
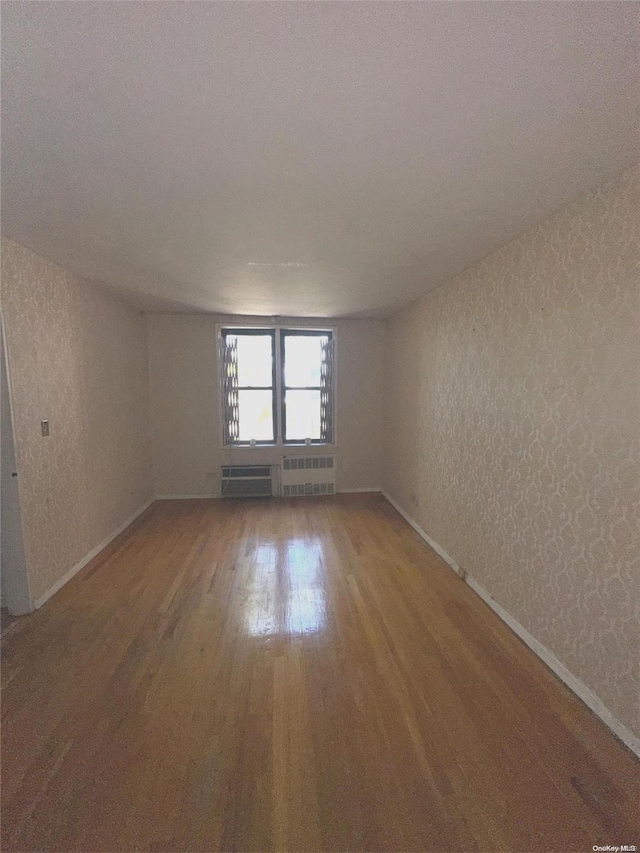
(320, 426)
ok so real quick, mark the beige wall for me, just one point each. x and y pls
(512, 432)
(185, 422)
(77, 356)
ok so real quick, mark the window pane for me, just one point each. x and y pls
(255, 360)
(302, 415)
(255, 415)
(302, 360)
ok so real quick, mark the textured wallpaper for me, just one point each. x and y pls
(78, 357)
(513, 429)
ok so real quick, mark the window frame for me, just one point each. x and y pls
(283, 335)
(264, 332)
(222, 329)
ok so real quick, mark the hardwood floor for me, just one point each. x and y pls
(6, 621)
(292, 675)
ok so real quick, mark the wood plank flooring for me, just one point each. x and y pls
(292, 675)
(6, 621)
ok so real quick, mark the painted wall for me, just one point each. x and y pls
(185, 419)
(513, 428)
(77, 356)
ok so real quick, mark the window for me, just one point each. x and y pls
(277, 386)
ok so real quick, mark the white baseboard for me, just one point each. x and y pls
(590, 699)
(88, 557)
(581, 690)
(204, 497)
(185, 497)
(431, 542)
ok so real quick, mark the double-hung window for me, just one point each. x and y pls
(277, 386)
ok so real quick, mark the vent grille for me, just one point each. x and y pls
(298, 463)
(300, 489)
(246, 481)
(234, 471)
(308, 475)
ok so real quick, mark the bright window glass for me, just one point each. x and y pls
(302, 360)
(255, 359)
(255, 415)
(302, 412)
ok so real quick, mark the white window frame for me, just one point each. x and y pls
(277, 328)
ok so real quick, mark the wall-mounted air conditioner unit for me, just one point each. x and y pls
(246, 481)
(308, 475)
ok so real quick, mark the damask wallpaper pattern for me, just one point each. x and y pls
(77, 357)
(513, 429)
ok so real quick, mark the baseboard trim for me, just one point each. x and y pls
(88, 557)
(431, 542)
(590, 699)
(205, 497)
(186, 497)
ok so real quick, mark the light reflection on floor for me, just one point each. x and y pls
(286, 590)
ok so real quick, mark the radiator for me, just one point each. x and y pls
(246, 481)
(308, 475)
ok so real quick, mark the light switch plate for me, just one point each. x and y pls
(44, 425)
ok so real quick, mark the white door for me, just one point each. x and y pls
(13, 572)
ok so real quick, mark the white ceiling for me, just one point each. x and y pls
(303, 158)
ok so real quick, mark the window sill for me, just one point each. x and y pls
(332, 445)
